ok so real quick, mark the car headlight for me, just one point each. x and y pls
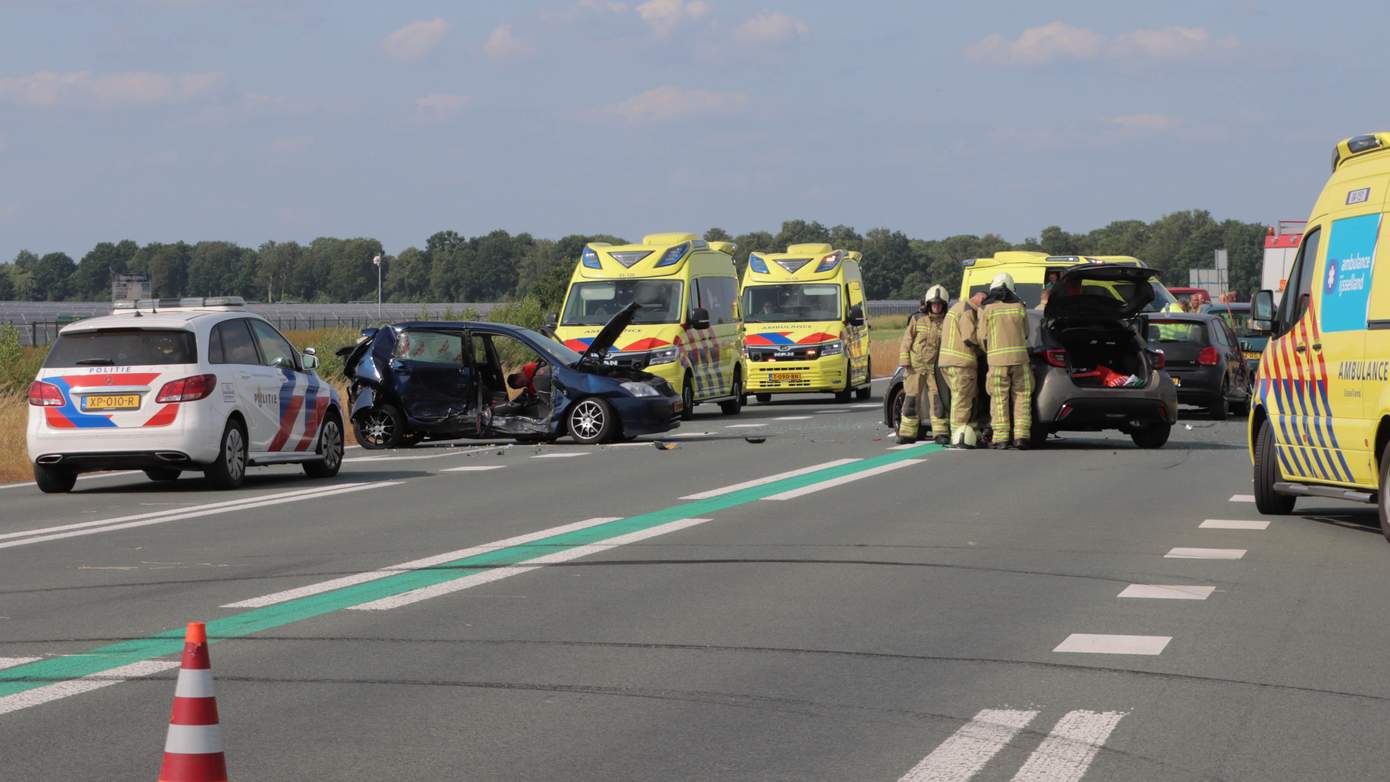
(663, 356)
(640, 389)
(832, 348)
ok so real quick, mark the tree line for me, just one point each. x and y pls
(501, 266)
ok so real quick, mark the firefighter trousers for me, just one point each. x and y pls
(964, 384)
(1011, 389)
(921, 399)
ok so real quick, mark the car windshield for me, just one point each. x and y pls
(1177, 331)
(791, 303)
(595, 303)
(123, 347)
(1238, 320)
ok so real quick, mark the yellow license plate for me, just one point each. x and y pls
(1177, 381)
(111, 402)
(780, 377)
(1251, 354)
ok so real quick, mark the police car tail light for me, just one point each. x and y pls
(1208, 357)
(1055, 358)
(188, 389)
(43, 394)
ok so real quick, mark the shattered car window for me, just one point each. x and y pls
(435, 347)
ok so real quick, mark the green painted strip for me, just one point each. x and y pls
(95, 661)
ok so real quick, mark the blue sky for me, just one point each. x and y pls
(249, 120)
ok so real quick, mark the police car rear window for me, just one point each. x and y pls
(123, 347)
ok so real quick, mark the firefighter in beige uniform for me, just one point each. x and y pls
(1004, 334)
(960, 357)
(917, 355)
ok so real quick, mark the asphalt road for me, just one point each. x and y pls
(508, 612)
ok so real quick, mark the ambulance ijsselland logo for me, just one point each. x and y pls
(1331, 276)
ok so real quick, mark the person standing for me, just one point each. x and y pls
(917, 355)
(1004, 333)
(960, 360)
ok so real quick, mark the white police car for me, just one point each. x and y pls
(179, 385)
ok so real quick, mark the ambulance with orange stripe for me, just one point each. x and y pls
(181, 385)
(1320, 422)
(689, 330)
(805, 328)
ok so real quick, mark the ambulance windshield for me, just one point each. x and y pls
(791, 303)
(595, 303)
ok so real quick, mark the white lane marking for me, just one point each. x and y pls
(87, 477)
(744, 426)
(832, 410)
(843, 479)
(1233, 524)
(1168, 592)
(414, 457)
(1067, 752)
(692, 434)
(1089, 643)
(10, 662)
(903, 447)
(1242, 498)
(198, 513)
(961, 756)
(417, 564)
(866, 404)
(793, 418)
(497, 574)
(704, 495)
(475, 468)
(1204, 553)
(641, 444)
(564, 455)
(158, 513)
(95, 681)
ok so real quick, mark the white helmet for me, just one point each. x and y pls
(1002, 280)
(964, 436)
(936, 293)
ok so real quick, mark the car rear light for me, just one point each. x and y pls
(1055, 358)
(43, 394)
(1208, 357)
(1160, 359)
(188, 389)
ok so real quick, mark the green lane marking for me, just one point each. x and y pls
(169, 642)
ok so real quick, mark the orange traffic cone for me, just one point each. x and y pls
(193, 748)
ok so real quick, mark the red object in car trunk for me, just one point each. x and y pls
(1208, 357)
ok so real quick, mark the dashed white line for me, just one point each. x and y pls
(415, 457)
(833, 410)
(866, 404)
(475, 468)
(562, 455)
(52, 692)
(1167, 592)
(10, 662)
(1204, 553)
(1068, 751)
(1242, 498)
(843, 479)
(1233, 524)
(903, 447)
(692, 434)
(745, 426)
(704, 495)
(793, 418)
(1092, 643)
(961, 756)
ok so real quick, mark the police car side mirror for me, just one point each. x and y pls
(1262, 312)
(856, 315)
(310, 359)
(699, 318)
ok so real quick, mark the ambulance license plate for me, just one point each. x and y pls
(111, 402)
(783, 377)
(1177, 381)
(1252, 354)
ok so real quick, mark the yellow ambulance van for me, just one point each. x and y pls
(688, 331)
(1320, 422)
(805, 323)
(1034, 272)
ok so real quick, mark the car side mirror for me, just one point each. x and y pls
(1262, 312)
(310, 359)
(552, 322)
(699, 318)
(856, 315)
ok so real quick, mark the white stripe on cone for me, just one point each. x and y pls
(194, 740)
(194, 683)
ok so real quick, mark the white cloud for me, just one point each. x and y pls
(1144, 122)
(667, 103)
(1062, 42)
(664, 15)
(48, 89)
(416, 39)
(440, 106)
(502, 44)
(770, 27)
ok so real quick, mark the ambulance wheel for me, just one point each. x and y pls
(54, 479)
(734, 405)
(763, 399)
(1269, 502)
(1383, 504)
(379, 428)
(229, 471)
(687, 400)
(162, 474)
(330, 449)
(591, 420)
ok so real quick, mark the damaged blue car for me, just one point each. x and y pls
(442, 380)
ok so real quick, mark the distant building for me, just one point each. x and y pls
(130, 286)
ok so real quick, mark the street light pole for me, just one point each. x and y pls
(377, 260)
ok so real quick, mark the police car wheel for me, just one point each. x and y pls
(591, 421)
(162, 474)
(330, 448)
(379, 428)
(54, 479)
(1267, 473)
(1383, 502)
(229, 470)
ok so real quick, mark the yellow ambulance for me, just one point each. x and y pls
(1033, 273)
(688, 330)
(1320, 422)
(805, 323)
